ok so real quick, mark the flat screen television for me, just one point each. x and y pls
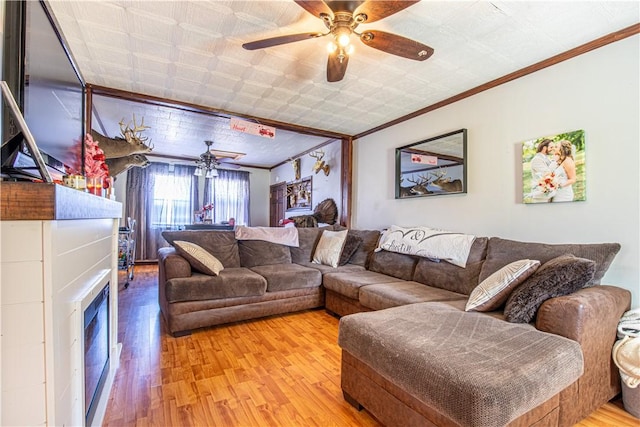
(48, 90)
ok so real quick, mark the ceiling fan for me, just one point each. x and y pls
(210, 160)
(341, 19)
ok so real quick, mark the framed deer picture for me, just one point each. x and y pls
(299, 194)
(432, 167)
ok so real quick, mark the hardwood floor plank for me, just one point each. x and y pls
(277, 371)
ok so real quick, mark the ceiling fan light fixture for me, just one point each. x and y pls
(342, 35)
(332, 47)
(344, 39)
(207, 163)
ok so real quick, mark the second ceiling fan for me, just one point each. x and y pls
(341, 19)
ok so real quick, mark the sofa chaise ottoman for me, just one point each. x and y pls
(388, 312)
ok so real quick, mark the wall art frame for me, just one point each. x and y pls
(554, 168)
(299, 194)
(432, 167)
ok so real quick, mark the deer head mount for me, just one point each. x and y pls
(131, 142)
(122, 164)
(446, 183)
(295, 163)
(419, 186)
(320, 165)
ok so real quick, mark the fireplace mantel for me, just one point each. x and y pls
(48, 201)
(55, 242)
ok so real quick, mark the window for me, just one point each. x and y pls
(229, 193)
(171, 205)
(159, 199)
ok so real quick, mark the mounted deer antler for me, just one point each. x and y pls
(131, 143)
(446, 183)
(132, 134)
(320, 164)
(421, 184)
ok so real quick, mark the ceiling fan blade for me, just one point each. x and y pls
(396, 45)
(336, 66)
(376, 10)
(315, 7)
(275, 41)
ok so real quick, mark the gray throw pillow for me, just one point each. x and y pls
(560, 276)
(351, 245)
(200, 259)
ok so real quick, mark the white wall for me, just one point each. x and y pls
(259, 197)
(598, 92)
(324, 187)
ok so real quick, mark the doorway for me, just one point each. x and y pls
(277, 199)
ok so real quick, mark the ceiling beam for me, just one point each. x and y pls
(200, 109)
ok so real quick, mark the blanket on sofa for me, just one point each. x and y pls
(283, 236)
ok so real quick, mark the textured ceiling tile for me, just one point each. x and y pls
(192, 74)
(191, 51)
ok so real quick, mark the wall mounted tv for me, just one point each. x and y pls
(48, 90)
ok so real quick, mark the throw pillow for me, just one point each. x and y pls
(432, 243)
(560, 276)
(351, 245)
(200, 259)
(495, 289)
(330, 247)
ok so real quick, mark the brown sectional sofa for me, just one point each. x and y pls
(416, 362)
(411, 354)
(259, 278)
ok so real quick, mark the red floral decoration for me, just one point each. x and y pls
(94, 165)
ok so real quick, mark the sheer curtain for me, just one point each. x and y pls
(229, 193)
(159, 199)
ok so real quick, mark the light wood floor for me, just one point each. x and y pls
(278, 371)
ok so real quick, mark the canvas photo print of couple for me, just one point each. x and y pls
(553, 168)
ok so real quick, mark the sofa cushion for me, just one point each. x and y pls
(495, 289)
(463, 364)
(199, 259)
(307, 241)
(501, 252)
(393, 264)
(282, 277)
(451, 277)
(329, 247)
(362, 256)
(349, 284)
(231, 282)
(385, 295)
(259, 252)
(221, 244)
(324, 269)
(351, 245)
(560, 276)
